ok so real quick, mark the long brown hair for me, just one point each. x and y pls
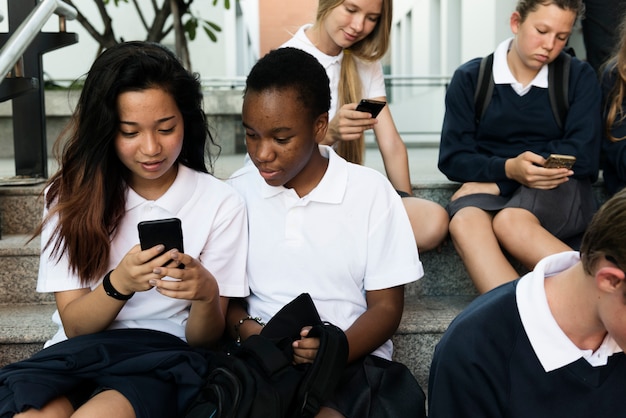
(87, 195)
(372, 48)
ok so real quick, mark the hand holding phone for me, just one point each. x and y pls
(168, 232)
(373, 107)
(560, 161)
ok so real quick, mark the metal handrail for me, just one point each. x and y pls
(17, 44)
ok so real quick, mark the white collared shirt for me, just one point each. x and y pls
(350, 234)
(502, 73)
(551, 345)
(215, 232)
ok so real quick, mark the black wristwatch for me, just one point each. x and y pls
(110, 290)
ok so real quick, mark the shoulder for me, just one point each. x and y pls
(466, 75)
(488, 323)
(364, 66)
(216, 190)
(469, 68)
(244, 177)
(581, 71)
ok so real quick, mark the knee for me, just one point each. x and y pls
(511, 222)
(429, 222)
(464, 222)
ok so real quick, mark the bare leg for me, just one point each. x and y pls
(521, 234)
(109, 403)
(57, 408)
(328, 413)
(476, 243)
(429, 222)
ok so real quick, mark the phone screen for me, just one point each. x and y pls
(371, 106)
(161, 231)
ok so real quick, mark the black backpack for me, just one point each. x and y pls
(558, 82)
(258, 379)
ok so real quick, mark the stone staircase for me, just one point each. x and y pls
(431, 303)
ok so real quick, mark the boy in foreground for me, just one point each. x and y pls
(547, 345)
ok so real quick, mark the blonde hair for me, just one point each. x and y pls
(372, 48)
(613, 105)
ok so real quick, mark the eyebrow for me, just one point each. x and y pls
(274, 130)
(165, 119)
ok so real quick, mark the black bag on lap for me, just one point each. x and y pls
(259, 380)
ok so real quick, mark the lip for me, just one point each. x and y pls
(542, 58)
(268, 174)
(152, 165)
(349, 37)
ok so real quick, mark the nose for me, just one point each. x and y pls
(262, 150)
(549, 42)
(150, 145)
(357, 23)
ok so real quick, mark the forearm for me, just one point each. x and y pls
(396, 162)
(85, 312)
(377, 324)
(206, 322)
(236, 312)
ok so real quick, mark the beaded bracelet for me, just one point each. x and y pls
(244, 319)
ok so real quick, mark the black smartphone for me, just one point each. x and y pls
(371, 106)
(168, 232)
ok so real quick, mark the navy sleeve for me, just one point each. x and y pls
(583, 125)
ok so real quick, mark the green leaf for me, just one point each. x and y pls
(190, 28)
(226, 4)
(210, 33)
(212, 26)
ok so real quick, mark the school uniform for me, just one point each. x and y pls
(143, 353)
(517, 119)
(506, 356)
(349, 235)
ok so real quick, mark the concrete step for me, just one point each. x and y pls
(25, 327)
(23, 330)
(21, 207)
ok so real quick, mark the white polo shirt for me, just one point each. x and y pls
(350, 234)
(371, 73)
(215, 232)
(551, 345)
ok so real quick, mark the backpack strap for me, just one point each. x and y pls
(484, 87)
(558, 86)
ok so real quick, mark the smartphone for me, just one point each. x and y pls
(168, 232)
(560, 161)
(371, 106)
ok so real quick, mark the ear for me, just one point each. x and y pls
(515, 21)
(320, 127)
(609, 279)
